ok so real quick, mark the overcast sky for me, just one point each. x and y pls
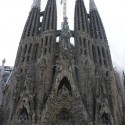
(13, 15)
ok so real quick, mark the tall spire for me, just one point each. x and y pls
(92, 5)
(50, 16)
(81, 18)
(36, 4)
(96, 26)
(32, 25)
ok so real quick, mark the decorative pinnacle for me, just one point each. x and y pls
(65, 29)
(92, 5)
(36, 4)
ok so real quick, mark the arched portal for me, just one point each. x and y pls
(65, 86)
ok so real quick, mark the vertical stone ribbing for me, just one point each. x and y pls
(81, 28)
(81, 19)
(96, 26)
(32, 24)
(98, 34)
(50, 17)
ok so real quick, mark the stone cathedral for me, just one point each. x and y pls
(58, 83)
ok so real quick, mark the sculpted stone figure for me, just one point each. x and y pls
(64, 91)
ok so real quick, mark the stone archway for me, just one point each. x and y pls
(65, 87)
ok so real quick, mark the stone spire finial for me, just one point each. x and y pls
(36, 4)
(92, 5)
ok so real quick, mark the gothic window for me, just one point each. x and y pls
(23, 59)
(85, 53)
(35, 51)
(57, 39)
(25, 49)
(84, 41)
(104, 57)
(72, 41)
(23, 116)
(80, 41)
(51, 40)
(103, 52)
(45, 51)
(105, 119)
(99, 54)
(44, 98)
(89, 47)
(46, 41)
(65, 87)
(94, 53)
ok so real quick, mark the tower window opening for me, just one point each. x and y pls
(99, 54)
(94, 53)
(89, 47)
(105, 63)
(85, 52)
(72, 42)
(23, 114)
(45, 51)
(103, 52)
(50, 40)
(57, 39)
(23, 59)
(41, 18)
(35, 50)
(46, 42)
(84, 41)
(80, 41)
(25, 49)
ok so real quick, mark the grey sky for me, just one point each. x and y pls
(14, 13)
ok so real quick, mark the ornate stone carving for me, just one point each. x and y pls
(63, 91)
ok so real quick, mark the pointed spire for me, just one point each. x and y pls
(32, 25)
(50, 16)
(36, 4)
(92, 5)
(97, 29)
(81, 18)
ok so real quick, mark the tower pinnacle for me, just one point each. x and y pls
(36, 4)
(92, 5)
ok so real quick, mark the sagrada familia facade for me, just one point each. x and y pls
(57, 83)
